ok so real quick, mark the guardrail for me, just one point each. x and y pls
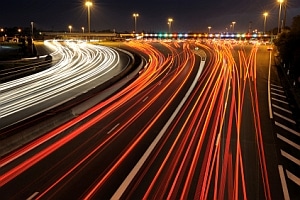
(19, 69)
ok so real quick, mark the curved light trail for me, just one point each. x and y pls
(206, 159)
(80, 68)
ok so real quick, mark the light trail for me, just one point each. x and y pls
(128, 92)
(212, 132)
(80, 69)
(202, 155)
(145, 131)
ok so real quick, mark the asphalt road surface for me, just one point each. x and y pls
(194, 124)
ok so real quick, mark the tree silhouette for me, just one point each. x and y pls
(288, 44)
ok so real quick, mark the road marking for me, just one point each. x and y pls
(113, 128)
(279, 95)
(278, 86)
(287, 128)
(145, 99)
(280, 101)
(283, 183)
(269, 86)
(285, 118)
(124, 185)
(293, 177)
(293, 144)
(283, 109)
(277, 90)
(290, 157)
(32, 196)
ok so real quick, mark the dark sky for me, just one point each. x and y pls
(188, 15)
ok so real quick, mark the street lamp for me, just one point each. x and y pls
(265, 21)
(284, 17)
(170, 20)
(82, 29)
(279, 13)
(135, 15)
(233, 23)
(209, 29)
(70, 27)
(31, 29)
(89, 4)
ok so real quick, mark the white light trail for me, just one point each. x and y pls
(81, 67)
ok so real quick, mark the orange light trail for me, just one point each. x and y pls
(217, 113)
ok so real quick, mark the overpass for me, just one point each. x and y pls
(80, 35)
(160, 35)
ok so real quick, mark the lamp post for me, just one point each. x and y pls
(209, 29)
(284, 16)
(170, 20)
(82, 29)
(233, 23)
(70, 28)
(279, 13)
(88, 4)
(31, 29)
(135, 15)
(265, 21)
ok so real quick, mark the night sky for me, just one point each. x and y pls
(188, 15)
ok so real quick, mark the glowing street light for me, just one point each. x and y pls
(89, 4)
(279, 13)
(265, 21)
(170, 20)
(70, 28)
(82, 29)
(209, 29)
(233, 23)
(135, 15)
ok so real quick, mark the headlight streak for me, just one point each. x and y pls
(76, 71)
(41, 87)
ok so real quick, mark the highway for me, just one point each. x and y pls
(214, 148)
(195, 124)
(79, 68)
